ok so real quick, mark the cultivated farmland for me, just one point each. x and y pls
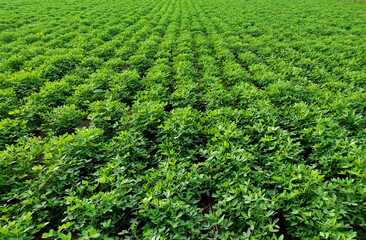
(182, 119)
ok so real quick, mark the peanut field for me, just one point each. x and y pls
(182, 119)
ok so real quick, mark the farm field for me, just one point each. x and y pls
(182, 119)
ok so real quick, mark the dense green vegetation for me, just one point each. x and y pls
(182, 119)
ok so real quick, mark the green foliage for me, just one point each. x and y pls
(8, 101)
(11, 130)
(25, 83)
(124, 86)
(63, 119)
(194, 119)
(106, 114)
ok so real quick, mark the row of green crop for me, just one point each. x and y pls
(184, 120)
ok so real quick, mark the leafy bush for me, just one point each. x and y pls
(63, 119)
(25, 83)
(105, 114)
(11, 130)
